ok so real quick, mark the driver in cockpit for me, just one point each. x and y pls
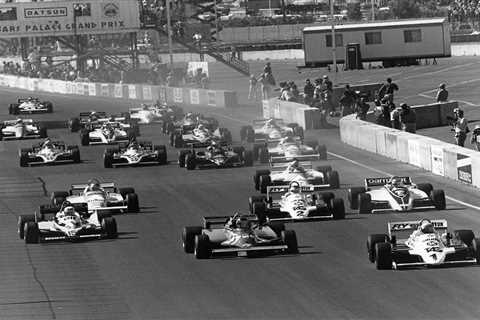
(294, 167)
(214, 148)
(270, 123)
(93, 185)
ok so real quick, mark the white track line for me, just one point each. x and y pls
(390, 174)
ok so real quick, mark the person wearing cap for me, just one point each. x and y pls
(408, 119)
(388, 88)
(308, 91)
(460, 127)
(476, 137)
(362, 108)
(442, 93)
(327, 93)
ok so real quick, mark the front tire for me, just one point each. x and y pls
(383, 256)
(31, 232)
(132, 203)
(438, 199)
(338, 208)
(202, 249)
(289, 238)
(109, 227)
(188, 238)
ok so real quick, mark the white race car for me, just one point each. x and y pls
(270, 130)
(135, 153)
(300, 206)
(395, 194)
(107, 133)
(30, 105)
(155, 114)
(408, 244)
(283, 173)
(37, 228)
(22, 129)
(288, 149)
(106, 196)
(49, 152)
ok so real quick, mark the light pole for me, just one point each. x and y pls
(334, 53)
(373, 10)
(217, 35)
(169, 32)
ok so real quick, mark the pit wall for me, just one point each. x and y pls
(189, 97)
(441, 158)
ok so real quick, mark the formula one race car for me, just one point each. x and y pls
(215, 157)
(66, 223)
(297, 204)
(302, 172)
(241, 235)
(189, 122)
(288, 149)
(95, 119)
(135, 153)
(270, 130)
(30, 105)
(49, 152)
(199, 136)
(99, 195)
(428, 245)
(22, 129)
(106, 133)
(395, 194)
(155, 114)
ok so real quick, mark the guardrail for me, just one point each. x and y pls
(190, 97)
(441, 158)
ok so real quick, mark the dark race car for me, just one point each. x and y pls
(189, 122)
(241, 235)
(219, 157)
(30, 105)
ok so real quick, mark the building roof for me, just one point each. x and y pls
(380, 24)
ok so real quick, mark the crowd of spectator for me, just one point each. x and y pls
(464, 10)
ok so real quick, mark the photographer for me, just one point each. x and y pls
(460, 127)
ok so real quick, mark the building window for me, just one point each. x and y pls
(7, 14)
(82, 9)
(338, 40)
(412, 35)
(373, 38)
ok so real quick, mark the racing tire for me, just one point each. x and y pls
(338, 209)
(466, 236)
(188, 238)
(259, 210)
(181, 157)
(84, 138)
(352, 195)
(322, 152)
(202, 248)
(324, 169)
(263, 155)
(253, 199)
(364, 203)
(247, 158)
(256, 149)
(326, 196)
(383, 256)
(23, 159)
(162, 154)
(43, 132)
(132, 203)
(74, 124)
(239, 151)
(190, 161)
(58, 197)
(178, 141)
(31, 232)
(131, 135)
(109, 227)
(372, 240)
(289, 238)
(108, 160)
(476, 249)
(75, 154)
(256, 177)
(126, 190)
(22, 220)
(263, 182)
(333, 179)
(49, 106)
(425, 187)
(438, 199)
(14, 109)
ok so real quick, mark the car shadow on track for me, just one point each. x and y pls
(127, 235)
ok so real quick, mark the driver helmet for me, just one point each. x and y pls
(94, 184)
(201, 127)
(69, 211)
(295, 164)
(144, 106)
(30, 99)
(396, 181)
(243, 223)
(294, 187)
(134, 145)
(426, 226)
(19, 121)
(189, 115)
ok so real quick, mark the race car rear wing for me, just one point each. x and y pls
(20, 100)
(304, 157)
(222, 220)
(284, 164)
(84, 185)
(285, 188)
(261, 122)
(401, 226)
(12, 122)
(381, 181)
(100, 114)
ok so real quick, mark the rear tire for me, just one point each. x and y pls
(108, 160)
(333, 179)
(43, 132)
(383, 256)
(438, 199)
(74, 124)
(466, 236)
(258, 209)
(22, 220)
(364, 203)
(109, 227)
(248, 158)
(85, 138)
(322, 152)
(372, 240)
(58, 197)
(188, 238)
(162, 154)
(476, 249)
(353, 196)
(264, 182)
(289, 238)
(338, 208)
(190, 162)
(31, 232)
(132, 203)
(256, 177)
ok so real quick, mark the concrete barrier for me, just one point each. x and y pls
(291, 112)
(190, 97)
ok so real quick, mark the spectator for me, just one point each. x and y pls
(267, 68)
(361, 109)
(348, 100)
(252, 88)
(326, 89)
(382, 115)
(395, 117)
(442, 93)
(476, 137)
(265, 86)
(408, 119)
(294, 91)
(460, 127)
(197, 39)
(308, 92)
(388, 88)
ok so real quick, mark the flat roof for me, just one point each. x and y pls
(381, 24)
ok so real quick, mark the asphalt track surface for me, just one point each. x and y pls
(144, 274)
